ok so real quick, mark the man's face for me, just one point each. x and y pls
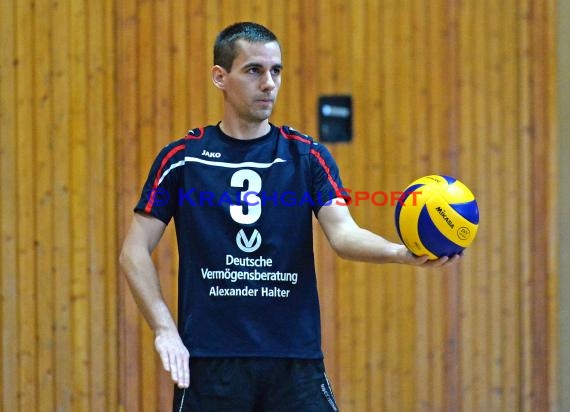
(253, 82)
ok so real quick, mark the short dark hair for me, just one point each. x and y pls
(225, 49)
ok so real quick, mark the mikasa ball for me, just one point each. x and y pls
(437, 216)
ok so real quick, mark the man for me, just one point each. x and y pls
(242, 195)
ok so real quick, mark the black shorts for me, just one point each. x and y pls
(255, 385)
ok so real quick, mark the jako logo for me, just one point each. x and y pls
(213, 155)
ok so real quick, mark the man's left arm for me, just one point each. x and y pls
(350, 241)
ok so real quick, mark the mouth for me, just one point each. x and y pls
(266, 100)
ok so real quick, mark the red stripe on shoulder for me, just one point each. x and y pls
(165, 160)
(327, 170)
(191, 135)
(291, 136)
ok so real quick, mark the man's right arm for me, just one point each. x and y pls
(136, 261)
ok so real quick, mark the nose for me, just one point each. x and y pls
(267, 82)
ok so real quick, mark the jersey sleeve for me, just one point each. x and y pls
(159, 196)
(327, 184)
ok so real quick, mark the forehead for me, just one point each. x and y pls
(265, 54)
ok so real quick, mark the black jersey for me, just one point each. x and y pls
(243, 216)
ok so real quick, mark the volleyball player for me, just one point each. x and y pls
(242, 194)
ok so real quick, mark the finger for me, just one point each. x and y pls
(455, 259)
(439, 262)
(180, 367)
(164, 359)
(185, 372)
(162, 353)
(173, 367)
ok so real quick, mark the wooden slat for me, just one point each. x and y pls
(80, 294)
(163, 133)
(388, 147)
(437, 114)
(27, 293)
(467, 141)
(525, 213)
(110, 274)
(198, 62)
(377, 295)
(481, 253)
(420, 159)
(129, 185)
(406, 278)
(44, 216)
(509, 136)
(540, 214)
(147, 92)
(9, 381)
(550, 41)
(60, 23)
(453, 280)
(181, 43)
(96, 76)
(494, 170)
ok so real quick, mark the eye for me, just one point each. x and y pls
(276, 71)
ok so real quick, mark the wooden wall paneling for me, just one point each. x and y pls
(9, 378)
(510, 272)
(420, 166)
(403, 154)
(147, 96)
(285, 107)
(481, 330)
(467, 147)
(324, 79)
(198, 62)
(62, 244)
(129, 181)
(95, 195)
(543, 165)
(80, 219)
(308, 65)
(525, 186)
(27, 294)
(213, 25)
(43, 199)
(437, 107)
(494, 172)
(551, 73)
(101, 208)
(453, 284)
(163, 134)
(294, 34)
(371, 138)
(388, 147)
(181, 20)
(310, 89)
(349, 50)
(111, 275)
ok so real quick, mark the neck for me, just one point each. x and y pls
(243, 130)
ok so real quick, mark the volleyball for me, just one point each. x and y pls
(437, 216)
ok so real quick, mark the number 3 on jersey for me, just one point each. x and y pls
(251, 210)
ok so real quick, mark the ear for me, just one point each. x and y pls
(219, 76)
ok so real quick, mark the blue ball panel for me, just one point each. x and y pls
(432, 238)
(468, 210)
(406, 194)
(450, 180)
